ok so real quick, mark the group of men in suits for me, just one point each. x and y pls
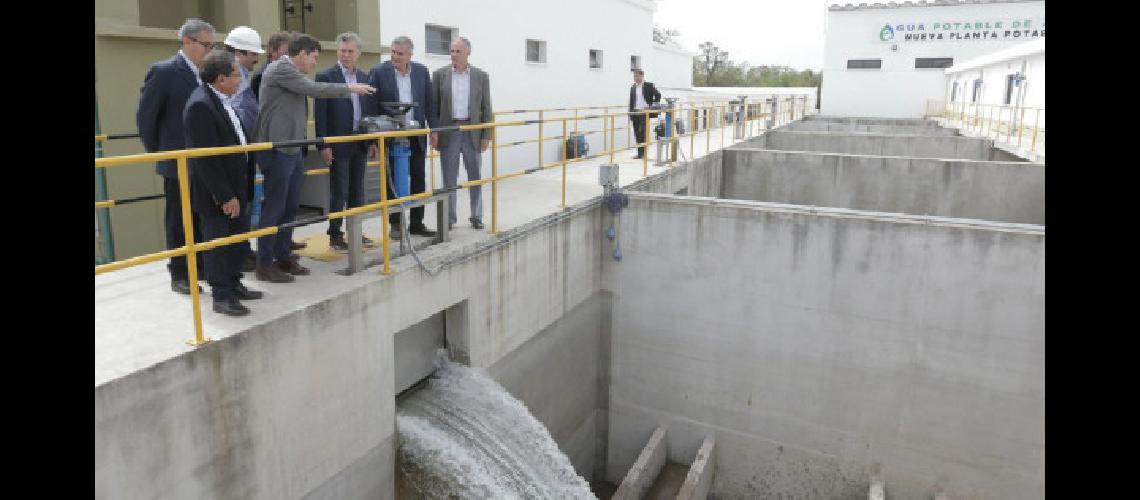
(204, 98)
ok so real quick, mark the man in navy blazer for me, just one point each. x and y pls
(219, 187)
(401, 80)
(159, 119)
(336, 117)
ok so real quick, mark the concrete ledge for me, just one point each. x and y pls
(645, 470)
(700, 477)
(878, 490)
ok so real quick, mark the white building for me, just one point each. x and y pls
(544, 55)
(1013, 77)
(888, 59)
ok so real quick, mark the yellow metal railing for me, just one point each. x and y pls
(1001, 122)
(716, 115)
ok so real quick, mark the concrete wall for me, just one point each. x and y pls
(700, 177)
(644, 471)
(562, 374)
(304, 404)
(822, 347)
(918, 146)
(996, 191)
(855, 128)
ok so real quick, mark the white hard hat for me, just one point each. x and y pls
(245, 38)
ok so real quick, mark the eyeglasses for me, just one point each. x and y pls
(205, 45)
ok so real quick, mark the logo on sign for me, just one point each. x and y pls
(886, 33)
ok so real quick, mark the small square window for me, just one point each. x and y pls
(634, 62)
(535, 51)
(595, 59)
(438, 39)
(864, 64)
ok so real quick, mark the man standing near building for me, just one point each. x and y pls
(641, 95)
(282, 118)
(245, 44)
(401, 80)
(336, 117)
(220, 183)
(159, 120)
(461, 95)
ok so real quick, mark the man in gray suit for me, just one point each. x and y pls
(282, 118)
(461, 95)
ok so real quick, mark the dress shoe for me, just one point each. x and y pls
(337, 243)
(273, 275)
(297, 245)
(230, 307)
(243, 293)
(182, 286)
(421, 230)
(291, 267)
(476, 223)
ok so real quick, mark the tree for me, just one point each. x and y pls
(711, 60)
(664, 36)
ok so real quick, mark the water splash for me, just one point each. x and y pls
(464, 436)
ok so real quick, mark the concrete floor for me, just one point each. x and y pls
(139, 322)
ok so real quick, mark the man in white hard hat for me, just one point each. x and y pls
(245, 44)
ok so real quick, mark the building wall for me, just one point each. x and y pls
(992, 93)
(898, 89)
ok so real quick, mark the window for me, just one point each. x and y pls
(438, 39)
(864, 63)
(954, 92)
(595, 59)
(933, 62)
(634, 62)
(1010, 83)
(977, 90)
(535, 51)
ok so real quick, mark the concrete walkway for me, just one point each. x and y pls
(140, 322)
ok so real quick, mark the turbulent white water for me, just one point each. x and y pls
(464, 436)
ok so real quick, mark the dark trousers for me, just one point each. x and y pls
(346, 184)
(417, 173)
(639, 131)
(224, 263)
(175, 234)
(283, 177)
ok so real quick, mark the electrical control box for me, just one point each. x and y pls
(608, 175)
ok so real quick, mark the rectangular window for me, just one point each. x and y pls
(438, 39)
(954, 92)
(595, 59)
(1010, 81)
(933, 62)
(535, 51)
(634, 62)
(977, 90)
(864, 63)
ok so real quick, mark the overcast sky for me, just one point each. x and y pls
(771, 32)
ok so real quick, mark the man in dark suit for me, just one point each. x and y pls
(336, 117)
(641, 95)
(159, 119)
(219, 187)
(401, 80)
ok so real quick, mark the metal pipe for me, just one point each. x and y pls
(1036, 122)
(540, 113)
(384, 211)
(564, 163)
(495, 183)
(191, 254)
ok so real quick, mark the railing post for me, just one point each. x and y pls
(494, 179)
(720, 119)
(564, 155)
(191, 255)
(1020, 126)
(540, 141)
(605, 136)
(708, 130)
(1036, 122)
(1009, 129)
(645, 157)
(382, 156)
(353, 226)
(613, 145)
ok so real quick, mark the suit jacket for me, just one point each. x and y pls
(282, 101)
(383, 77)
(647, 90)
(333, 117)
(159, 117)
(219, 178)
(478, 104)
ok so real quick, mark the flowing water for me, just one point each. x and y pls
(464, 436)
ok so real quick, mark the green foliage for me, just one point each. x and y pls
(727, 73)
